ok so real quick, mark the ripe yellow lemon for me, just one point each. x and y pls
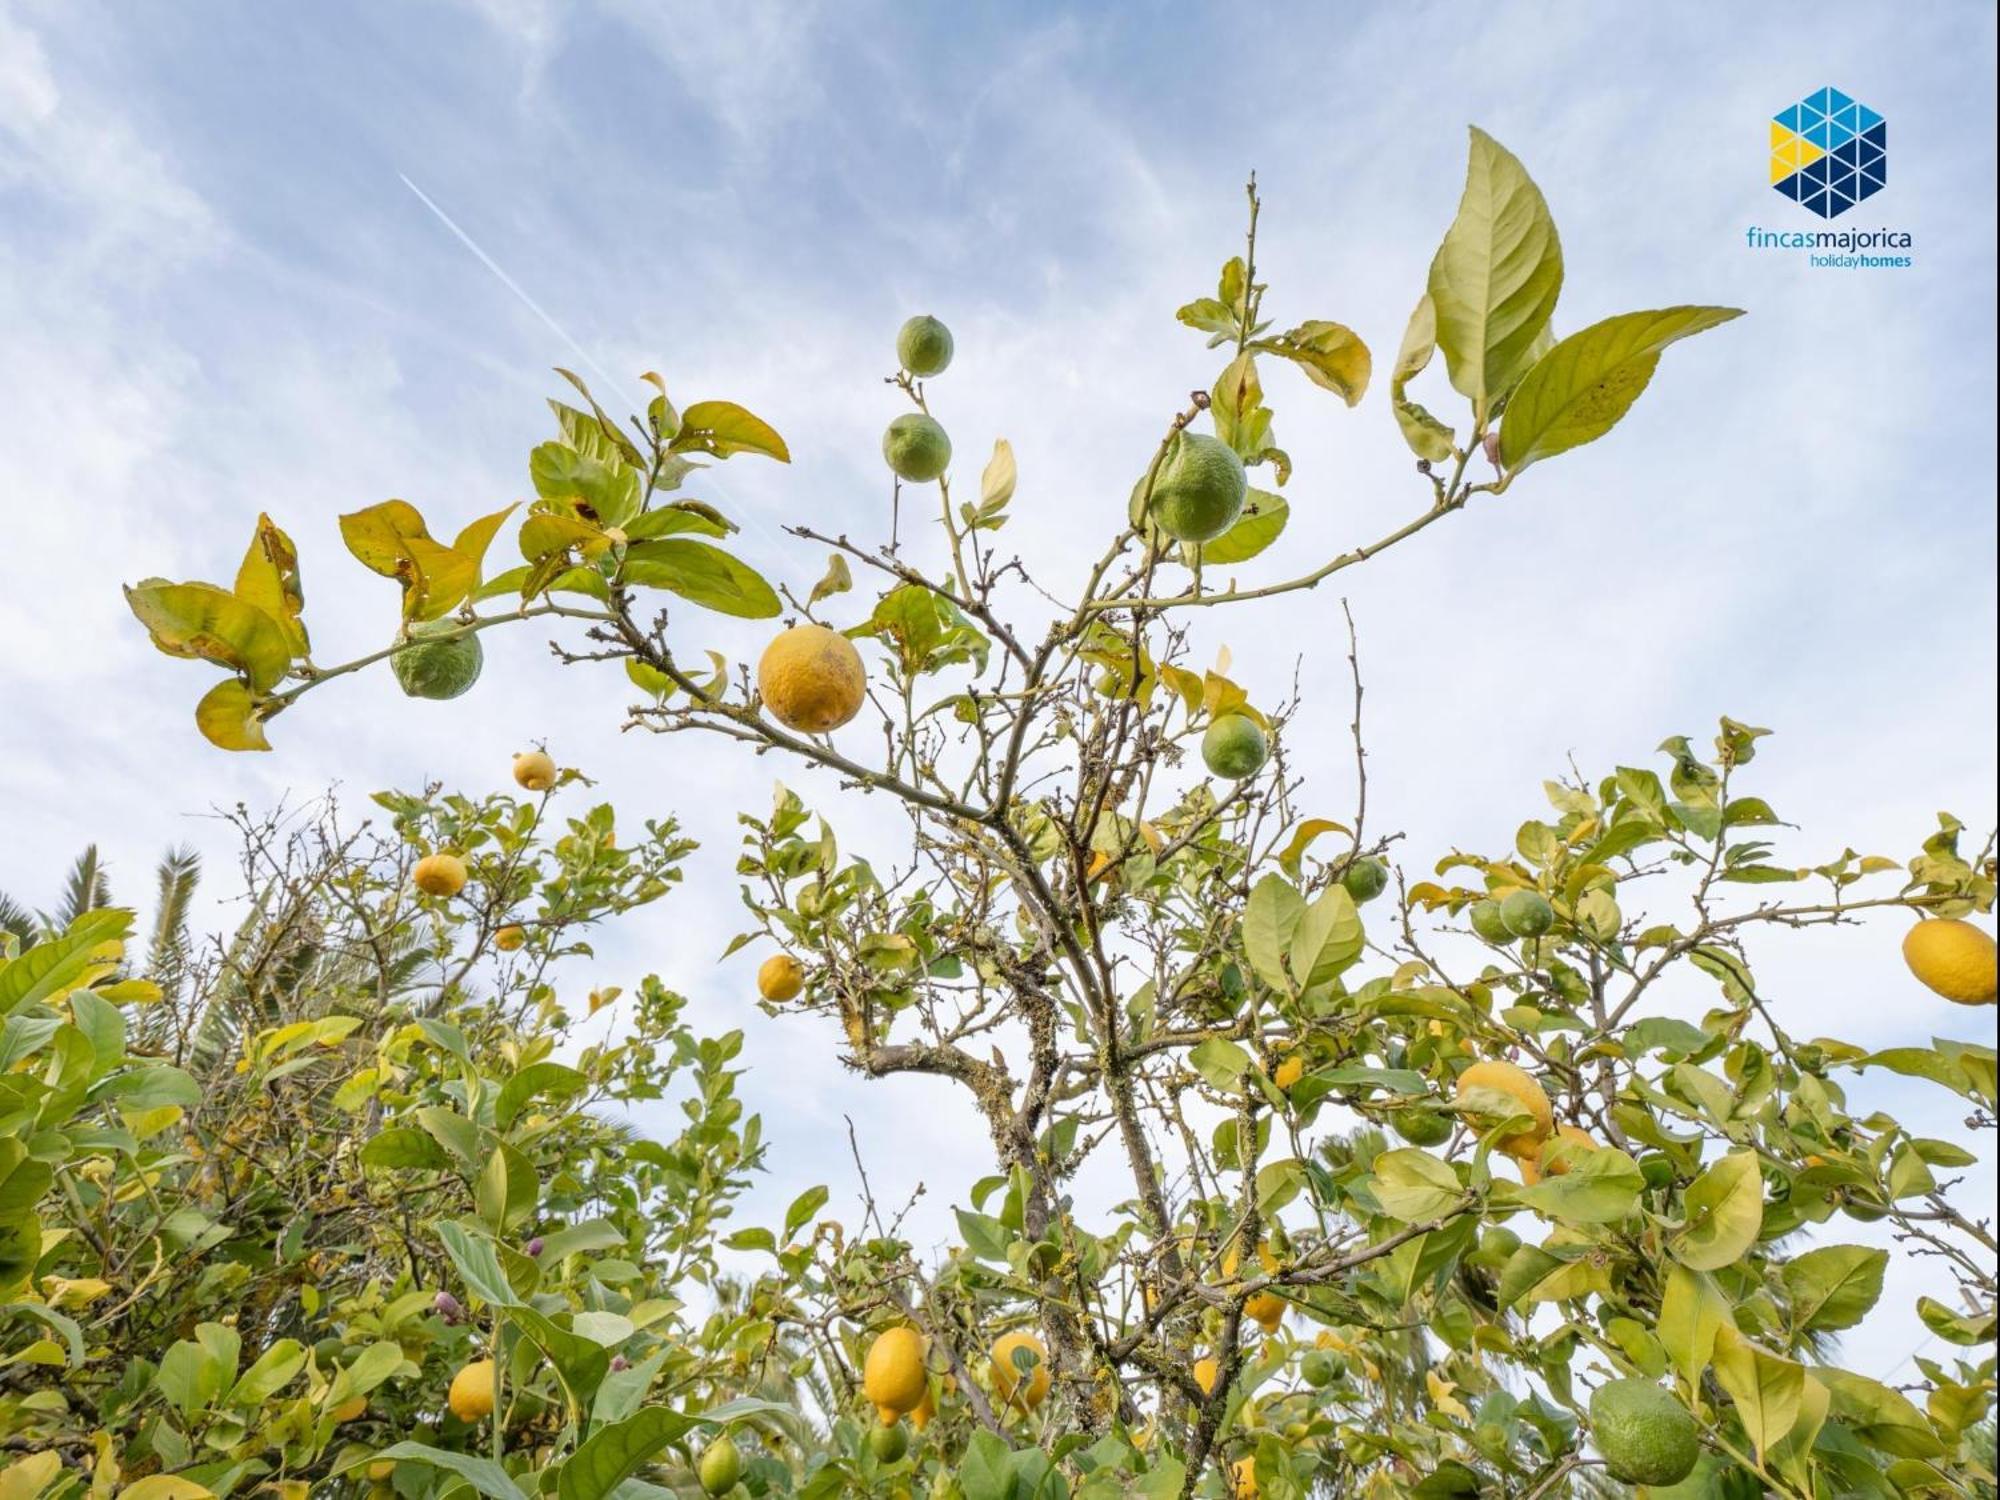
(1289, 1072)
(812, 679)
(1520, 1086)
(1954, 958)
(1243, 1479)
(534, 770)
(1024, 1392)
(924, 1410)
(382, 1470)
(439, 875)
(351, 1410)
(1268, 1309)
(510, 938)
(780, 977)
(1577, 1140)
(893, 1375)
(471, 1394)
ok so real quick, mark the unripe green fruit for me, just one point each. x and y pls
(433, 668)
(1498, 1245)
(889, 1443)
(720, 1467)
(1643, 1433)
(924, 346)
(1527, 913)
(1420, 1126)
(1234, 747)
(1321, 1368)
(1366, 879)
(1199, 490)
(916, 447)
(1488, 923)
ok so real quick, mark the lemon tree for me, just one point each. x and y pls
(1520, 1225)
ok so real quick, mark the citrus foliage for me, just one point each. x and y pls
(1559, 1180)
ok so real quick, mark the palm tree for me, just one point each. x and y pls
(87, 888)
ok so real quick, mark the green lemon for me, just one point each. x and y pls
(1199, 489)
(889, 1442)
(1527, 913)
(1321, 1368)
(431, 668)
(1366, 879)
(1420, 1126)
(924, 346)
(1488, 923)
(720, 1467)
(916, 447)
(1644, 1435)
(1234, 747)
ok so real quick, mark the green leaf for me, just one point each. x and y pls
(72, 1335)
(484, 1475)
(1261, 523)
(1327, 939)
(578, 1239)
(51, 969)
(275, 1369)
(1965, 1329)
(706, 575)
(1269, 920)
(580, 1363)
(1222, 1062)
(724, 428)
(542, 1080)
(1413, 1185)
(365, 1371)
(1580, 389)
(201, 621)
(1691, 1310)
(1428, 438)
(477, 1263)
(808, 1203)
(151, 1088)
(402, 1147)
(506, 1190)
(1835, 1286)
(1881, 1417)
(1725, 1213)
(986, 1471)
(1494, 281)
(1765, 1389)
(598, 491)
(269, 579)
(1331, 354)
(613, 1454)
(925, 630)
(1600, 1187)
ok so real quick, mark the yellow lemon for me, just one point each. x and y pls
(351, 1410)
(780, 977)
(471, 1394)
(1012, 1387)
(893, 1375)
(1520, 1086)
(1954, 958)
(534, 770)
(1268, 1309)
(812, 679)
(924, 1410)
(510, 937)
(1289, 1072)
(1577, 1139)
(439, 875)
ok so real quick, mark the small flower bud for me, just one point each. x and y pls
(534, 1246)
(449, 1308)
(620, 1362)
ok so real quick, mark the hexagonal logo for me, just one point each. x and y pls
(1828, 152)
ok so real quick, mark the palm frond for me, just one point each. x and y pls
(177, 875)
(85, 890)
(17, 919)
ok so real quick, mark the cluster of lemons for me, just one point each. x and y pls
(897, 1382)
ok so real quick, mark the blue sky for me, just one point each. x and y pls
(218, 296)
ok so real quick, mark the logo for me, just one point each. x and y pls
(1828, 152)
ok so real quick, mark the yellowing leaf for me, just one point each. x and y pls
(227, 717)
(1302, 838)
(1332, 355)
(1427, 437)
(996, 485)
(472, 542)
(1578, 390)
(1765, 1389)
(269, 579)
(723, 428)
(202, 621)
(1725, 1213)
(391, 539)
